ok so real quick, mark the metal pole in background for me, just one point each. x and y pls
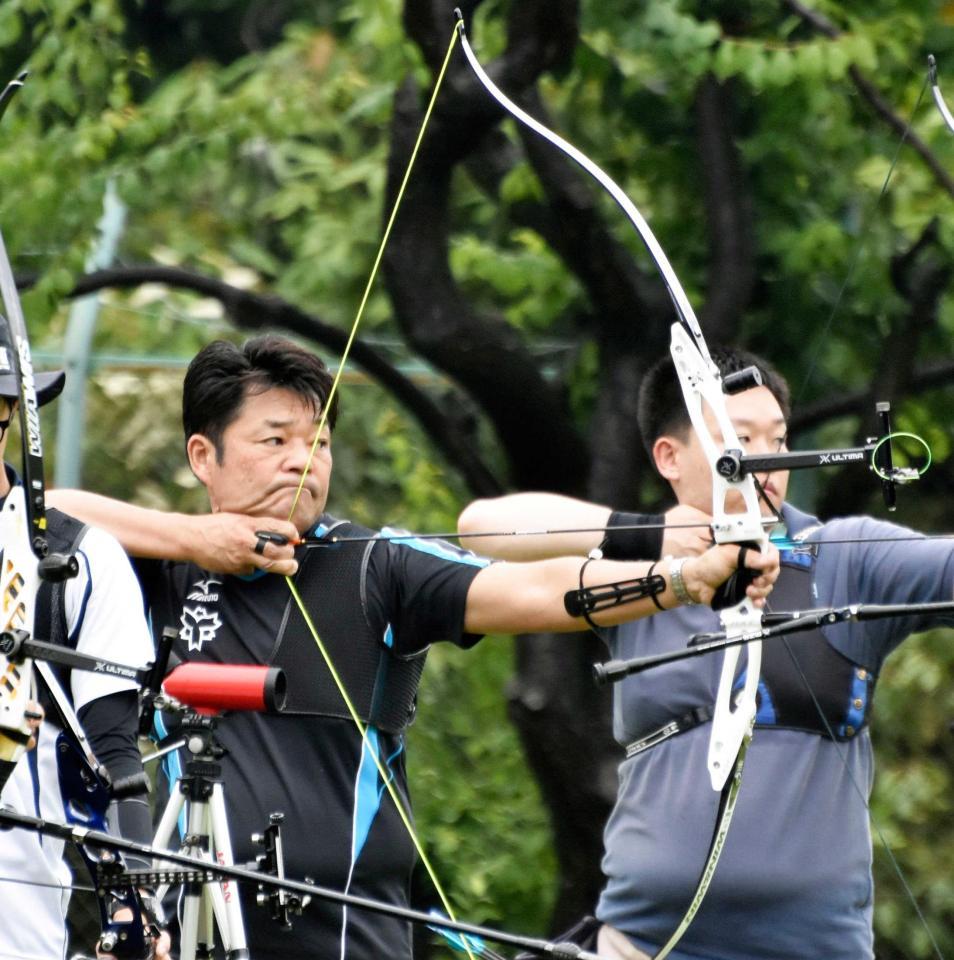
(71, 407)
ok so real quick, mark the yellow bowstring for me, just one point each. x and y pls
(374, 272)
(384, 774)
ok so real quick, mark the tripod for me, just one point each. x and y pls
(207, 837)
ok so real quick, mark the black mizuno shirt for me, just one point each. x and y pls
(341, 828)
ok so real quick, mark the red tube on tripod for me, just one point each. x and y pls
(212, 687)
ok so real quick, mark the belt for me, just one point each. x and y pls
(693, 718)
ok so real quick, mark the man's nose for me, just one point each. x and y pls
(297, 456)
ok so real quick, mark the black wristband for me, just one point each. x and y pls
(642, 541)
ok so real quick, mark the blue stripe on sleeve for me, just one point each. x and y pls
(74, 633)
(435, 548)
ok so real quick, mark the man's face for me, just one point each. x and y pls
(264, 452)
(758, 421)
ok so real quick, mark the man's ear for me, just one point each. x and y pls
(666, 457)
(202, 456)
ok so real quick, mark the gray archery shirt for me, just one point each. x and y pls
(794, 880)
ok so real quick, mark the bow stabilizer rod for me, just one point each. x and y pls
(206, 870)
(774, 625)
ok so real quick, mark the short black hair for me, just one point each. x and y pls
(222, 376)
(662, 410)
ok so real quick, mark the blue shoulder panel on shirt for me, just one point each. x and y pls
(435, 548)
(766, 712)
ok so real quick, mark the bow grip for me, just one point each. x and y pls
(732, 592)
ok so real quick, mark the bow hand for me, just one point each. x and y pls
(734, 590)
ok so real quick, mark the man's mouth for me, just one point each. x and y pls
(291, 489)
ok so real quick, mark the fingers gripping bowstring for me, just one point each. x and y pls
(367, 748)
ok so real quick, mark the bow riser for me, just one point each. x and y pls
(702, 387)
(21, 531)
(19, 582)
(31, 407)
(22, 365)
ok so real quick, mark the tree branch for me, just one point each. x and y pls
(877, 103)
(728, 205)
(480, 350)
(254, 311)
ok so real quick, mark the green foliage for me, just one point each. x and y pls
(380, 474)
(525, 274)
(912, 805)
(476, 806)
(267, 169)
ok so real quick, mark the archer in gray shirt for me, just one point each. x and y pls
(794, 879)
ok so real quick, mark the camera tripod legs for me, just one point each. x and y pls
(205, 905)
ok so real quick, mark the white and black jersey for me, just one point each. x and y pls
(99, 612)
(378, 606)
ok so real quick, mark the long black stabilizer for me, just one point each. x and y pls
(208, 869)
(773, 625)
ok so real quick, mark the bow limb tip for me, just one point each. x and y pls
(9, 91)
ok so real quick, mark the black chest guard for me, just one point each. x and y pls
(843, 689)
(64, 535)
(332, 583)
